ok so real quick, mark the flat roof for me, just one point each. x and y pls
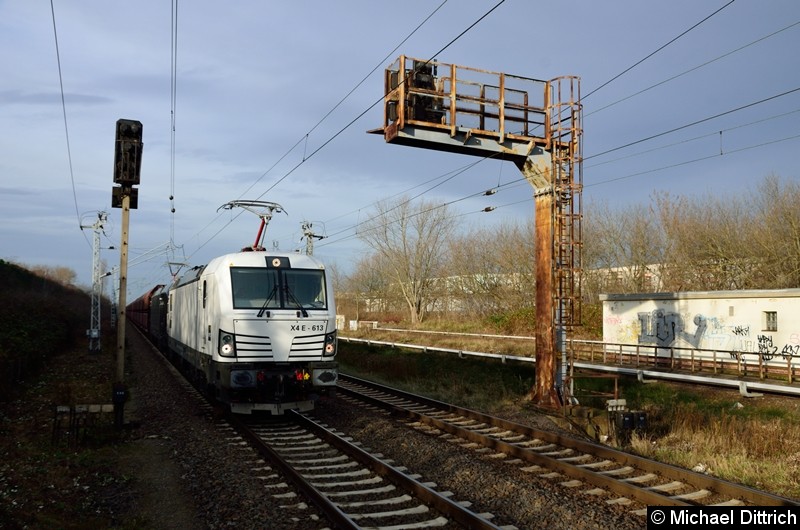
(696, 295)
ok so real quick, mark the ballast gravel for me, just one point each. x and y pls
(191, 472)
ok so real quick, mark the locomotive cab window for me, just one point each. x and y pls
(262, 288)
(305, 288)
(254, 288)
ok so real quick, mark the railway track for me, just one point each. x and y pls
(351, 486)
(574, 463)
(307, 460)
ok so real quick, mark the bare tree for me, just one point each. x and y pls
(775, 238)
(369, 286)
(411, 241)
(715, 241)
(492, 269)
(621, 249)
(63, 275)
(704, 236)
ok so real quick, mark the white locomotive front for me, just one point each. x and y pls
(259, 328)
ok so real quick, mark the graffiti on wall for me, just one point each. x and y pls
(664, 328)
(767, 350)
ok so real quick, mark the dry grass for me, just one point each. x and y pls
(504, 346)
(761, 453)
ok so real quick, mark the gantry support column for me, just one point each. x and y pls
(533, 123)
(544, 391)
(558, 186)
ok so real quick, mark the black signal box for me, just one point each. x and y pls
(116, 197)
(128, 152)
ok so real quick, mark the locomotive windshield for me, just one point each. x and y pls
(262, 288)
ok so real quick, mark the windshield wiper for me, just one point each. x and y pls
(290, 294)
(264, 306)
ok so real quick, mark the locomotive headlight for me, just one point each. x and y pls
(226, 344)
(330, 345)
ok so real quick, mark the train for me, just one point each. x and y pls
(255, 329)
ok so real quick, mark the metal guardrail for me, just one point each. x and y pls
(689, 359)
(666, 363)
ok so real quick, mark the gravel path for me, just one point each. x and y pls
(188, 473)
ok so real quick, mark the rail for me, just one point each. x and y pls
(305, 457)
(624, 474)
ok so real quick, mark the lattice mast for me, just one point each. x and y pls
(309, 236)
(94, 331)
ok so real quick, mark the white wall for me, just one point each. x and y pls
(716, 320)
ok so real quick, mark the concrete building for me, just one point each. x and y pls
(748, 324)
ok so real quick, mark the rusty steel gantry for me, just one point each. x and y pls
(536, 125)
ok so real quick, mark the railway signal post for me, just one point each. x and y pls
(536, 125)
(127, 167)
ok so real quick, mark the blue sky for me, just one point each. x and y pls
(256, 79)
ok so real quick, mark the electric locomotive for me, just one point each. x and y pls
(258, 328)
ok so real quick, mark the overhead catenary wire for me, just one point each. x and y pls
(305, 138)
(346, 126)
(173, 95)
(66, 126)
(462, 33)
(520, 181)
(527, 200)
(354, 120)
(697, 122)
(377, 101)
(671, 41)
(173, 105)
(355, 228)
(692, 69)
(694, 138)
(651, 54)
